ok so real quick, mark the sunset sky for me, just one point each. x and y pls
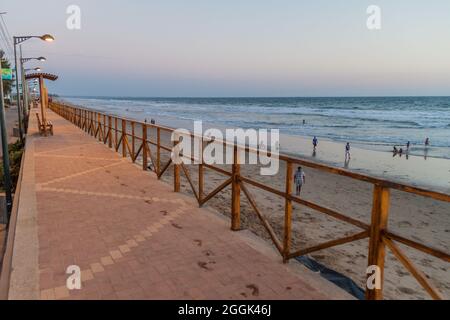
(239, 48)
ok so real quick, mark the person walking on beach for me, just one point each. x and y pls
(315, 143)
(408, 145)
(300, 180)
(427, 142)
(347, 151)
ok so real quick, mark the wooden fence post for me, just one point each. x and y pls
(158, 151)
(133, 141)
(200, 173)
(124, 137)
(99, 126)
(92, 126)
(109, 132)
(144, 148)
(116, 145)
(288, 213)
(105, 131)
(176, 173)
(380, 213)
(236, 193)
(89, 123)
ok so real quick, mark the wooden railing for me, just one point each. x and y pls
(116, 132)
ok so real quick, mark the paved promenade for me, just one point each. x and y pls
(133, 238)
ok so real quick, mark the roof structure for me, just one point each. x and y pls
(47, 76)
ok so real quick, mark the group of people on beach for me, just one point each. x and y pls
(300, 177)
(347, 148)
(400, 151)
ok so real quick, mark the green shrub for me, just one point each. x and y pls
(15, 158)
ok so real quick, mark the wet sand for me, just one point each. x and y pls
(420, 168)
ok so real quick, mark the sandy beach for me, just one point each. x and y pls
(420, 219)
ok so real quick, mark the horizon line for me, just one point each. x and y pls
(250, 97)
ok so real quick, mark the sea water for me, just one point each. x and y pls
(369, 123)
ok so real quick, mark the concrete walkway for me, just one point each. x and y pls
(133, 238)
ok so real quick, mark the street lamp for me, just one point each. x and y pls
(33, 69)
(23, 60)
(19, 40)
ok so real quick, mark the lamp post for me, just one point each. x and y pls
(4, 216)
(33, 69)
(25, 88)
(18, 40)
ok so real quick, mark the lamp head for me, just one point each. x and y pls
(48, 38)
(42, 59)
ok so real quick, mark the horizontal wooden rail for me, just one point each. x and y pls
(106, 128)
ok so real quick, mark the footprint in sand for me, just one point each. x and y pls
(208, 253)
(176, 226)
(148, 201)
(165, 213)
(204, 265)
(406, 290)
(254, 288)
(404, 224)
(199, 242)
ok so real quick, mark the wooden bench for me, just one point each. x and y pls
(48, 126)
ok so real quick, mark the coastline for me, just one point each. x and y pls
(430, 172)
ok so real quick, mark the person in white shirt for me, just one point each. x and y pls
(347, 151)
(299, 180)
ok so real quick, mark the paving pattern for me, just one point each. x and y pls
(133, 238)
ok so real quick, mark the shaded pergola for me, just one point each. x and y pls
(43, 90)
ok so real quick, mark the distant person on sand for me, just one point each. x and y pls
(408, 146)
(152, 121)
(395, 151)
(304, 122)
(347, 151)
(299, 180)
(315, 142)
(427, 142)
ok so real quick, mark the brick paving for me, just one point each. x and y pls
(134, 238)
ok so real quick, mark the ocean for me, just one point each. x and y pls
(376, 123)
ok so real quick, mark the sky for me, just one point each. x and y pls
(234, 48)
